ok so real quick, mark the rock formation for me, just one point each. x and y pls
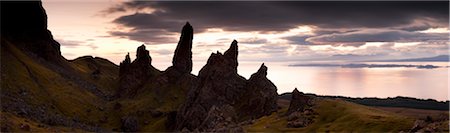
(261, 96)
(300, 113)
(298, 101)
(134, 74)
(25, 24)
(182, 59)
(220, 86)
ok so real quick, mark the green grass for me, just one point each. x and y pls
(45, 87)
(338, 116)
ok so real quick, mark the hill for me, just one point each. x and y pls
(404, 102)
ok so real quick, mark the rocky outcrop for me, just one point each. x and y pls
(299, 101)
(260, 98)
(133, 75)
(219, 85)
(25, 24)
(300, 112)
(182, 59)
(220, 91)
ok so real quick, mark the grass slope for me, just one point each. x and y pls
(29, 85)
(337, 116)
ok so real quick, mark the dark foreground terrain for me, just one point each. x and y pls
(43, 91)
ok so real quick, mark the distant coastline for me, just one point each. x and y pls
(366, 65)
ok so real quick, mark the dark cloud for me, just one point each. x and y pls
(298, 40)
(264, 16)
(275, 16)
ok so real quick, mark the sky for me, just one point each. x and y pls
(294, 31)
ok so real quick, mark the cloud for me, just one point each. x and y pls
(338, 24)
(69, 43)
(280, 16)
(74, 44)
(298, 40)
(358, 38)
(162, 52)
(150, 20)
(147, 36)
(254, 40)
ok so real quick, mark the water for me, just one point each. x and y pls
(354, 82)
(358, 82)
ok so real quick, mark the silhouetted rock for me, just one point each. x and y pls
(232, 54)
(124, 64)
(182, 59)
(222, 96)
(133, 75)
(25, 24)
(298, 101)
(219, 85)
(261, 96)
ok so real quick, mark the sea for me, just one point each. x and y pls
(380, 82)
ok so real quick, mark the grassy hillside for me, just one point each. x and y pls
(405, 102)
(35, 91)
(337, 116)
(101, 72)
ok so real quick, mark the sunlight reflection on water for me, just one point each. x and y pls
(358, 82)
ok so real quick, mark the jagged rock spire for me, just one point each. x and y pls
(127, 59)
(262, 70)
(136, 73)
(182, 59)
(142, 54)
(124, 64)
(232, 53)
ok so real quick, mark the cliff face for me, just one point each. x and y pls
(24, 23)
